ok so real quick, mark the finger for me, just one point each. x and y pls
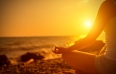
(58, 47)
(55, 49)
(55, 52)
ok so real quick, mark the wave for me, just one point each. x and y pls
(24, 47)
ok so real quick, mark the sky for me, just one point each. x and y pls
(46, 17)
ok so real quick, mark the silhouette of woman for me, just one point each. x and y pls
(87, 63)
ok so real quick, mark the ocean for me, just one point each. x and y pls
(14, 47)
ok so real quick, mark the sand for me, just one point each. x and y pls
(50, 66)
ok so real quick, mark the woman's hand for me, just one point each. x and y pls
(59, 50)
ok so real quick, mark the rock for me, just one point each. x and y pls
(29, 61)
(4, 60)
(29, 55)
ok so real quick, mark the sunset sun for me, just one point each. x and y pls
(88, 24)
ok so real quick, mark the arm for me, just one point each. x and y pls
(106, 12)
(102, 50)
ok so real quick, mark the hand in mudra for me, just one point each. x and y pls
(60, 50)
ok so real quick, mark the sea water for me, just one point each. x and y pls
(16, 46)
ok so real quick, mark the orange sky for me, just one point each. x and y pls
(46, 17)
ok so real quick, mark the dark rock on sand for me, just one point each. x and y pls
(31, 55)
(4, 60)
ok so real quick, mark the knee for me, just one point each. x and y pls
(68, 55)
(65, 56)
(79, 72)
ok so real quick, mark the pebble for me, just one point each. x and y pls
(51, 66)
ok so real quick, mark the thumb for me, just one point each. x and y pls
(55, 49)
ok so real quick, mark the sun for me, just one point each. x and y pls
(88, 23)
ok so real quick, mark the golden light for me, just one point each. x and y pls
(88, 24)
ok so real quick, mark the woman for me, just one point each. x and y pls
(90, 63)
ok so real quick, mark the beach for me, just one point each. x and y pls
(45, 63)
(15, 47)
(51, 66)
(39, 57)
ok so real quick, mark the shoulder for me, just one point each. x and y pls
(108, 9)
(109, 6)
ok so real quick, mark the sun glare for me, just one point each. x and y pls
(88, 24)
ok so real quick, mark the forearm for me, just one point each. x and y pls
(103, 50)
(81, 44)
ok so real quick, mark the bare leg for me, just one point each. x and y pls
(81, 61)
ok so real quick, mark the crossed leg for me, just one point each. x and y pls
(79, 72)
(83, 62)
